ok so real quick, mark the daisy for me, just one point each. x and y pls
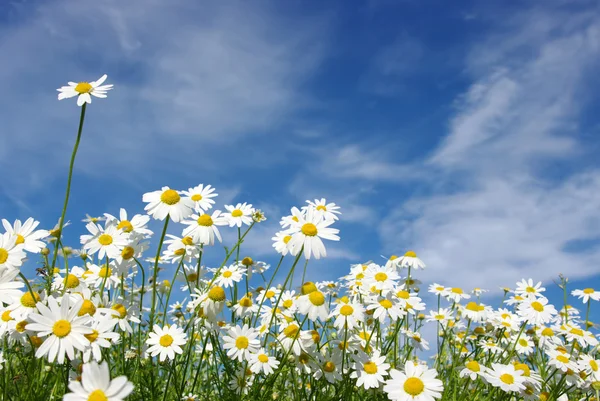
(91, 219)
(313, 305)
(288, 221)
(203, 228)
(166, 341)
(472, 370)
(11, 253)
(125, 313)
(26, 234)
(245, 307)
(476, 312)
(240, 342)
(210, 303)
(383, 307)
(329, 366)
(107, 241)
(587, 294)
(137, 224)
(101, 337)
(506, 377)
(167, 202)
(536, 311)
(380, 279)
(101, 276)
(253, 266)
(292, 338)
(239, 214)
(281, 242)
(526, 289)
(561, 360)
(271, 294)
(83, 90)
(201, 196)
(416, 383)
(9, 289)
(327, 211)
(410, 260)
(96, 385)
(438, 289)
(65, 330)
(348, 314)
(309, 231)
(180, 248)
(262, 362)
(229, 276)
(370, 370)
(456, 294)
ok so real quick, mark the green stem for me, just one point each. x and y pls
(155, 272)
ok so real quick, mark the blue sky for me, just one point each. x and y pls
(465, 130)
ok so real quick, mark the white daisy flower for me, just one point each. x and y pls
(83, 90)
(328, 366)
(416, 383)
(313, 305)
(167, 202)
(245, 307)
(137, 224)
(536, 311)
(27, 234)
(410, 259)
(369, 371)
(526, 289)
(308, 232)
(281, 242)
(203, 228)
(239, 214)
(348, 314)
(587, 294)
(166, 342)
(472, 370)
(210, 303)
(201, 196)
(506, 377)
(240, 342)
(101, 337)
(11, 253)
(107, 241)
(456, 294)
(96, 385)
(64, 328)
(287, 221)
(261, 362)
(229, 276)
(327, 211)
(383, 307)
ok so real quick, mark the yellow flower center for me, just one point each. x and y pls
(216, 294)
(530, 290)
(71, 281)
(83, 87)
(322, 207)
(403, 294)
(170, 197)
(245, 302)
(507, 378)
(473, 306)
(547, 332)
(237, 213)
(127, 253)
(97, 395)
(457, 291)
(241, 342)
(586, 291)
(20, 327)
(309, 229)
(36, 341)
(594, 365)
(414, 386)
(3, 256)
(537, 306)
(270, 294)
(386, 303)
(287, 239)
(205, 220)
(92, 336)
(440, 317)
(473, 366)
(370, 368)
(308, 287)
(192, 277)
(188, 241)
(288, 303)
(562, 358)
(196, 197)
(6, 316)
(126, 226)
(29, 301)
(524, 368)
(105, 240)
(316, 298)
(20, 239)
(291, 331)
(87, 307)
(329, 366)
(263, 358)
(166, 340)
(105, 272)
(411, 254)
(227, 274)
(121, 309)
(346, 310)
(577, 332)
(381, 277)
(179, 252)
(247, 261)
(61, 328)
